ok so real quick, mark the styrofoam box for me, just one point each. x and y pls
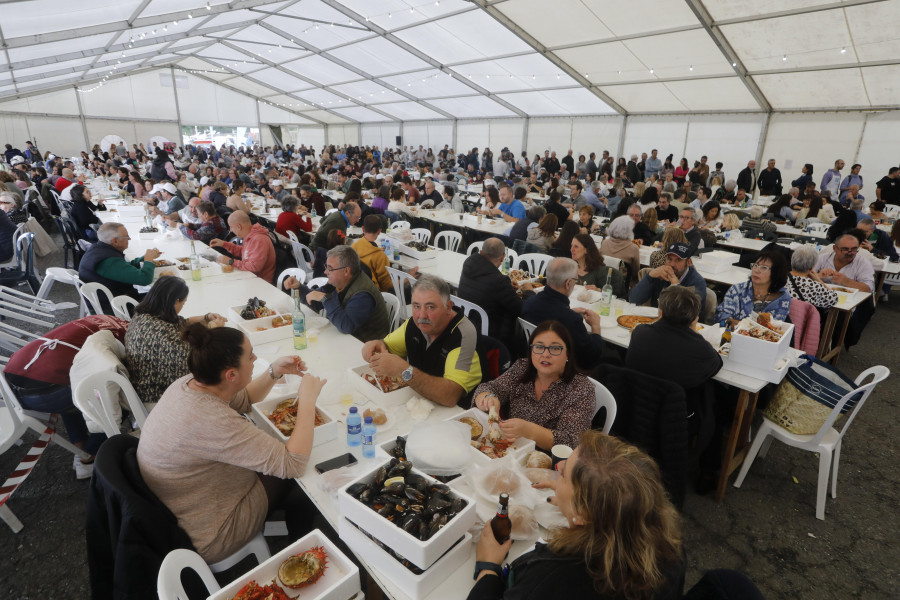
(772, 375)
(717, 261)
(430, 254)
(152, 235)
(340, 581)
(325, 432)
(414, 586)
(422, 554)
(381, 399)
(520, 447)
(760, 354)
(270, 334)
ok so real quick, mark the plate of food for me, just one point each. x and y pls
(629, 322)
(163, 263)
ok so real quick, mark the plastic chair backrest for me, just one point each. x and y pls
(603, 398)
(513, 256)
(168, 582)
(93, 399)
(400, 225)
(91, 292)
(452, 240)
(474, 247)
(317, 282)
(422, 235)
(527, 328)
(393, 307)
(11, 426)
(469, 307)
(292, 236)
(14, 260)
(398, 278)
(879, 373)
(330, 210)
(297, 272)
(121, 306)
(537, 263)
(818, 226)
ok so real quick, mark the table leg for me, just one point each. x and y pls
(879, 285)
(738, 439)
(836, 351)
(827, 333)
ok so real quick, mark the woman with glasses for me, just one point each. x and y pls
(542, 397)
(764, 291)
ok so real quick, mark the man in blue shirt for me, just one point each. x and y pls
(510, 209)
(653, 165)
(678, 270)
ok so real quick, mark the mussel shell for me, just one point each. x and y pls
(417, 481)
(395, 489)
(367, 495)
(411, 524)
(380, 476)
(357, 488)
(414, 495)
(386, 511)
(437, 504)
(418, 509)
(456, 505)
(440, 488)
(400, 469)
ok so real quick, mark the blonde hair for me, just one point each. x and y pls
(650, 219)
(673, 235)
(730, 221)
(631, 532)
(715, 181)
(639, 189)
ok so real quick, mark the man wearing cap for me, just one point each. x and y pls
(278, 191)
(168, 201)
(678, 270)
(256, 254)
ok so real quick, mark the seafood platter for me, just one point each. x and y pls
(418, 250)
(280, 413)
(414, 515)
(759, 341)
(385, 392)
(262, 322)
(312, 568)
(487, 440)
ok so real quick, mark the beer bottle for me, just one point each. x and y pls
(500, 524)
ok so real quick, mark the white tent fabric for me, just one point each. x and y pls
(345, 61)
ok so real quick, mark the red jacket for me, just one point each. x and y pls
(256, 255)
(61, 184)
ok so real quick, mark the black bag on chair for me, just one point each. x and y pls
(284, 256)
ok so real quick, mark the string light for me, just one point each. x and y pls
(843, 51)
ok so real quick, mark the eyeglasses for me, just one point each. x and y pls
(331, 269)
(761, 268)
(554, 350)
(849, 250)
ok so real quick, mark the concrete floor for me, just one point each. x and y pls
(767, 529)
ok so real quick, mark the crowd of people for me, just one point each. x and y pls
(552, 205)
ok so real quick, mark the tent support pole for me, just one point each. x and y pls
(177, 105)
(862, 134)
(453, 137)
(621, 147)
(84, 131)
(763, 134)
(525, 137)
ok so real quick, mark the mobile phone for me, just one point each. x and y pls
(335, 463)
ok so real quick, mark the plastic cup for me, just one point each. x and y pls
(347, 399)
(559, 453)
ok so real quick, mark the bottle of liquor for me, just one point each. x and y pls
(195, 264)
(500, 524)
(299, 320)
(606, 294)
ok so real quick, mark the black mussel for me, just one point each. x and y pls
(423, 530)
(456, 505)
(411, 524)
(357, 488)
(394, 489)
(436, 524)
(400, 469)
(386, 511)
(367, 495)
(437, 504)
(417, 481)
(417, 509)
(440, 488)
(380, 475)
(399, 450)
(414, 495)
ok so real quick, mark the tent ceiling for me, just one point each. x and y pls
(338, 61)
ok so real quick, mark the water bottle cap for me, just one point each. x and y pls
(368, 420)
(352, 409)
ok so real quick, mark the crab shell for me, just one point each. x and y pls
(303, 569)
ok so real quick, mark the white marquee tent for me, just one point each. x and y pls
(798, 80)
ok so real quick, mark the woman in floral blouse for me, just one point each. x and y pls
(543, 396)
(155, 353)
(764, 291)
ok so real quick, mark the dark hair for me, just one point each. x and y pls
(568, 232)
(679, 305)
(709, 206)
(815, 205)
(77, 193)
(335, 238)
(355, 186)
(372, 224)
(212, 350)
(493, 195)
(207, 207)
(553, 197)
(547, 225)
(520, 193)
(783, 201)
(845, 220)
(160, 300)
(779, 270)
(650, 195)
(809, 169)
(856, 232)
(384, 192)
(570, 370)
(593, 260)
(397, 193)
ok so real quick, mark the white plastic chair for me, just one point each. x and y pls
(14, 260)
(300, 274)
(612, 261)
(452, 240)
(168, 581)
(399, 225)
(537, 263)
(256, 546)
(303, 255)
(317, 282)
(422, 235)
(826, 442)
(818, 227)
(93, 399)
(474, 247)
(91, 292)
(330, 210)
(528, 328)
(603, 398)
(513, 257)
(121, 306)
(393, 307)
(469, 307)
(292, 236)
(68, 276)
(398, 278)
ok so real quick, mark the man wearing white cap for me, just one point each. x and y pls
(278, 191)
(167, 199)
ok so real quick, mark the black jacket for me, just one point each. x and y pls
(746, 181)
(552, 305)
(483, 283)
(652, 415)
(541, 575)
(129, 531)
(83, 215)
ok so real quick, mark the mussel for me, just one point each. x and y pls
(437, 504)
(395, 488)
(440, 488)
(357, 489)
(411, 524)
(380, 476)
(456, 506)
(401, 469)
(417, 481)
(414, 495)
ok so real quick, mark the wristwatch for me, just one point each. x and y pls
(272, 373)
(407, 374)
(487, 566)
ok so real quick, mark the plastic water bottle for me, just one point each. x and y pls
(312, 213)
(354, 427)
(368, 438)
(299, 320)
(504, 268)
